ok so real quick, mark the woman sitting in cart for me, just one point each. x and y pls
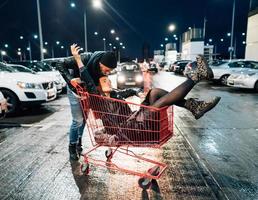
(157, 97)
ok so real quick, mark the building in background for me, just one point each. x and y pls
(252, 36)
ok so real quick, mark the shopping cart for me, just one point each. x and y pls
(119, 125)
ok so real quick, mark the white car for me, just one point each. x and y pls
(46, 75)
(244, 79)
(47, 70)
(3, 105)
(24, 89)
(223, 69)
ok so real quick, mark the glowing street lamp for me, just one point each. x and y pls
(44, 50)
(57, 42)
(21, 37)
(97, 4)
(35, 36)
(3, 53)
(72, 4)
(162, 45)
(112, 31)
(210, 40)
(117, 38)
(228, 34)
(46, 43)
(166, 39)
(171, 27)
(6, 45)
(96, 33)
(221, 39)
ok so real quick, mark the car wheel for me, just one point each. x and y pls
(12, 101)
(223, 79)
(256, 87)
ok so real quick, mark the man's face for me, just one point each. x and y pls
(104, 69)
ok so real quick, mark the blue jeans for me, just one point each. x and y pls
(78, 122)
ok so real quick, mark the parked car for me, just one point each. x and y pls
(179, 66)
(153, 68)
(3, 105)
(130, 76)
(223, 69)
(21, 68)
(244, 79)
(24, 89)
(47, 70)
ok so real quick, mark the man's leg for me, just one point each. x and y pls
(77, 126)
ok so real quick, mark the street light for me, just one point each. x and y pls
(96, 33)
(210, 40)
(21, 37)
(112, 31)
(97, 4)
(121, 43)
(46, 43)
(166, 39)
(6, 45)
(162, 45)
(35, 36)
(117, 38)
(228, 34)
(221, 39)
(72, 4)
(57, 42)
(3, 53)
(171, 27)
(104, 43)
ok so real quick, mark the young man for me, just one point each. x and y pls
(98, 64)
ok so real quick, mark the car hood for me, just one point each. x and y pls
(24, 77)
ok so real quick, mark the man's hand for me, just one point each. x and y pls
(75, 52)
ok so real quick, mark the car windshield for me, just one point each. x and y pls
(4, 68)
(19, 68)
(217, 63)
(45, 66)
(130, 67)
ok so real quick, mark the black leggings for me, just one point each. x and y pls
(159, 98)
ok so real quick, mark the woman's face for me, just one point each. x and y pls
(105, 84)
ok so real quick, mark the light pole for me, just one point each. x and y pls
(231, 49)
(104, 43)
(40, 32)
(97, 4)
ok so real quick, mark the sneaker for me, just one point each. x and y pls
(199, 70)
(199, 108)
(73, 152)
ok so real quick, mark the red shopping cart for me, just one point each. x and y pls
(119, 125)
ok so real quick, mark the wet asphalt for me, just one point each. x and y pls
(214, 157)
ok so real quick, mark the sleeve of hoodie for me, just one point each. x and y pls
(87, 79)
(123, 94)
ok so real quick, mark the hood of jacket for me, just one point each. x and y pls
(93, 66)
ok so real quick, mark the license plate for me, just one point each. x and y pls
(50, 93)
(129, 83)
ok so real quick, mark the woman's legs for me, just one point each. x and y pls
(176, 96)
(156, 93)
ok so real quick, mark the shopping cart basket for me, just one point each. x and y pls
(118, 125)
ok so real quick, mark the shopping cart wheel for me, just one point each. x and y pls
(109, 154)
(85, 168)
(144, 183)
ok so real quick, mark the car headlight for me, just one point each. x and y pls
(138, 78)
(24, 85)
(121, 79)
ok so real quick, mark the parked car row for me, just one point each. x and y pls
(233, 73)
(28, 86)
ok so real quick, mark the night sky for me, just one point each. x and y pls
(136, 22)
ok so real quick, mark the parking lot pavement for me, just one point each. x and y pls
(34, 165)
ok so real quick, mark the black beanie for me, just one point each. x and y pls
(109, 60)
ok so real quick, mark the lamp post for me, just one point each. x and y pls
(104, 43)
(40, 32)
(231, 49)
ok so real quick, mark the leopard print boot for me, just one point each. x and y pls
(199, 70)
(199, 108)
